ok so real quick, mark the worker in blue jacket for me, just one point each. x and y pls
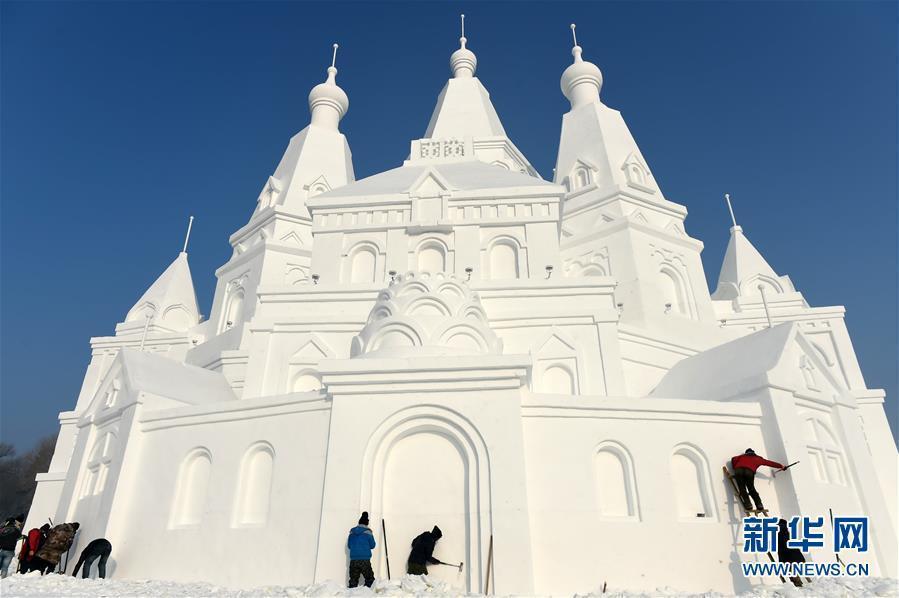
(360, 543)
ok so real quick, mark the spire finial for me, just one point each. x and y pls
(463, 61)
(730, 209)
(190, 223)
(327, 102)
(574, 33)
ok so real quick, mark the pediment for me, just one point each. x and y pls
(313, 350)
(429, 184)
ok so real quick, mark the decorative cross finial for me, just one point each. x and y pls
(334, 57)
(190, 223)
(574, 33)
(730, 208)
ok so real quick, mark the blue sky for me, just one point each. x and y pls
(118, 120)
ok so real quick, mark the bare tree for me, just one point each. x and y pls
(17, 475)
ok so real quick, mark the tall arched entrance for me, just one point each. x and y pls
(427, 466)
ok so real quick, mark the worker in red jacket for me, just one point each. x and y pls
(745, 466)
(32, 543)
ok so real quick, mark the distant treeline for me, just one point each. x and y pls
(17, 474)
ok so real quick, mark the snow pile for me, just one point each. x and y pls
(825, 587)
(65, 586)
(33, 584)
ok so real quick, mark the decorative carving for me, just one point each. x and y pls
(430, 149)
(453, 149)
(424, 313)
(637, 173)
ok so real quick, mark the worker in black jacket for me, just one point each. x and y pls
(423, 552)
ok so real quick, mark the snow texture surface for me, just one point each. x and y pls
(64, 586)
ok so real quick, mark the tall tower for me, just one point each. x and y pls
(616, 221)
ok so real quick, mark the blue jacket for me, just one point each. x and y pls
(360, 543)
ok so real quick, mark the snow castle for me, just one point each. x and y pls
(536, 366)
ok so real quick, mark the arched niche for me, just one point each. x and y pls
(557, 378)
(234, 313)
(254, 486)
(615, 482)
(431, 256)
(177, 317)
(141, 312)
(428, 465)
(673, 291)
(189, 502)
(306, 381)
(503, 259)
(363, 263)
(691, 484)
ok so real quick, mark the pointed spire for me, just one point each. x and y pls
(582, 80)
(463, 62)
(190, 223)
(744, 268)
(464, 108)
(327, 101)
(171, 301)
(730, 208)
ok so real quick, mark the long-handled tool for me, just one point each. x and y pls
(836, 554)
(459, 566)
(386, 554)
(785, 468)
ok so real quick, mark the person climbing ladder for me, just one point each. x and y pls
(745, 466)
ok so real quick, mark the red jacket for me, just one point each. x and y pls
(31, 544)
(753, 462)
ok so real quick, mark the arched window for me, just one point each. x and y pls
(637, 175)
(504, 260)
(581, 178)
(431, 257)
(191, 490)
(672, 291)
(306, 381)
(363, 262)
(615, 482)
(557, 379)
(254, 486)
(691, 483)
(235, 308)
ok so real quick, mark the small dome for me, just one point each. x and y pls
(581, 81)
(463, 62)
(328, 102)
(426, 314)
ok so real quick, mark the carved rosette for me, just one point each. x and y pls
(426, 314)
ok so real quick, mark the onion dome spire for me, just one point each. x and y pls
(327, 101)
(582, 80)
(463, 62)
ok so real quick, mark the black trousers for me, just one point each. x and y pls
(39, 564)
(363, 568)
(416, 568)
(89, 559)
(745, 479)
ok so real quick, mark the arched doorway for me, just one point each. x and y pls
(428, 465)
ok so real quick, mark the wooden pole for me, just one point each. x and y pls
(386, 554)
(489, 565)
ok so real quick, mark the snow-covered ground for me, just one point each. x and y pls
(65, 586)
